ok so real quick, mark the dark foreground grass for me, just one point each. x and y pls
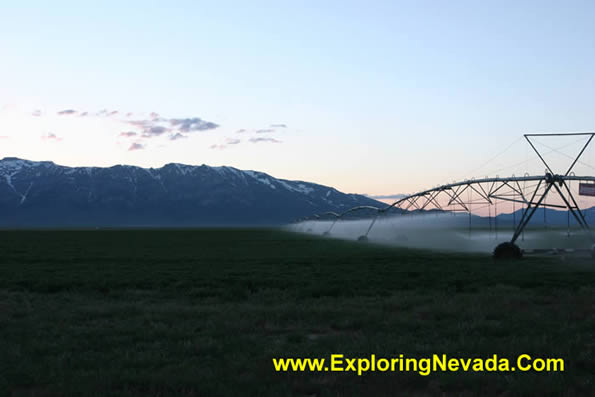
(203, 312)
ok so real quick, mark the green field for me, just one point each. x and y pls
(203, 312)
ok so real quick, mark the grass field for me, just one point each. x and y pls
(203, 312)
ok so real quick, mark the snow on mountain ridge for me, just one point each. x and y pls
(43, 193)
(16, 164)
(10, 166)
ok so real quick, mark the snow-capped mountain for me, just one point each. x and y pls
(46, 194)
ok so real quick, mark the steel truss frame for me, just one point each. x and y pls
(489, 191)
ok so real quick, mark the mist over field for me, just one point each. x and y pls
(445, 231)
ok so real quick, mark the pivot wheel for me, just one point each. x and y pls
(507, 250)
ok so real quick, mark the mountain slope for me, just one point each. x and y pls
(46, 194)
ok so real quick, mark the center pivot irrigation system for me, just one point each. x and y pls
(528, 192)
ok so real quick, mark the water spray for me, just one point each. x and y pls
(487, 192)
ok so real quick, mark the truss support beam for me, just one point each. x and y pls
(529, 213)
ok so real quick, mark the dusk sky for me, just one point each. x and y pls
(369, 97)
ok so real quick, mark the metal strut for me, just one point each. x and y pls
(491, 190)
(556, 181)
(372, 224)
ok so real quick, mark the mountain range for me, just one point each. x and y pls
(44, 194)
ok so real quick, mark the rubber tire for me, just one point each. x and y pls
(507, 250)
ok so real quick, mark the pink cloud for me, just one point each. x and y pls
(176, 136)
(136, 146)
(257, 140)
(128, 134)
(50, 136)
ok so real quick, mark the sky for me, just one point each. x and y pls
(372, 97)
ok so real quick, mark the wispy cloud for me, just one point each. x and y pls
(155, 130)
(278, 125)
(240, 131)
(264, 131)
(136, 146)
(176, 136)
(50, 136)
(257, 140)
(192, 124)
(157, 126)
(150, 126)
(228, 141)
(128, 134)
(139, 123)
(107, 113)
